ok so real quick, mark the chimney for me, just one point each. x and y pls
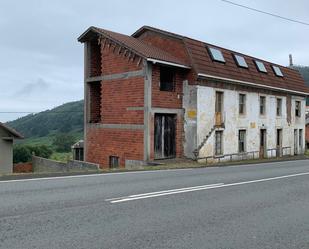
(291, 60)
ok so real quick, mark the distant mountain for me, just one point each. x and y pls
(66, 118)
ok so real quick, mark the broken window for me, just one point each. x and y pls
(262, 105)
(297, 108)
(167, 79)
(218, 143)
(95, 102)
(242, 141)
(279, 107)
(242, 103)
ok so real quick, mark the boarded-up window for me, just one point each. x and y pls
(219, 143)
(242, 103)
(167, 79)
(242, 141)
(262, 105)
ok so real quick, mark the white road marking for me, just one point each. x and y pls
(92, 175)
(164, 191)
(196, 188)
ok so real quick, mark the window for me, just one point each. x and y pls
(240, 60)
(167, 79)
(277, 71)
(279, 107)
(242, 103)
(216, 54)
(297, 109)
(242, 141)
(260, 66)
(219, 102)
(262, 105)
(113, 162)
(218, 143)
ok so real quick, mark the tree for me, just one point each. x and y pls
(63, 142)
(23, 153)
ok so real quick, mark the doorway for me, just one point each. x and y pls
(295, 142)
(263, 141)
(279, 142)
(164, 136)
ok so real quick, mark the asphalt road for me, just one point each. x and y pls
(256, 206)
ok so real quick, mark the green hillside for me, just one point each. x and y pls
(304, 71)
(40, 128)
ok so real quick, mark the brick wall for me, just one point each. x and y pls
(113, 63)
(126, 144)
(166, 99)
(95, 59)
(117, 96)
(172, 45)
(23, 168)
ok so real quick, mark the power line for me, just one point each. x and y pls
(41, 112)
(266, 13)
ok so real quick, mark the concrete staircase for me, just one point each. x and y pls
(197, 150)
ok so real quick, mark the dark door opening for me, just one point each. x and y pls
(279, 143)
(164, 136)
(263, 153)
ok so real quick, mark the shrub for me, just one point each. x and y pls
(23, 153)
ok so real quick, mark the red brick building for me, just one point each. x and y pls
(137, 92)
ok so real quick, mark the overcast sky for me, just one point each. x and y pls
(41, 62)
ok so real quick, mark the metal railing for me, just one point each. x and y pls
(251, 155)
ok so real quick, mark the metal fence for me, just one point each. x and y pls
(251, 155)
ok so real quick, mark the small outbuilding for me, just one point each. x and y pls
(78, 150)
(7, 136)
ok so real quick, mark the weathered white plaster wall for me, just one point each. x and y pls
(190, 122)
(252, 121)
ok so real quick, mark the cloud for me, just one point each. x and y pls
(30, 88)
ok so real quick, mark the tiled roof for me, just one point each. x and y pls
(11, 131)
(202, 63)
(140, 47)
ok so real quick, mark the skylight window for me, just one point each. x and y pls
(240, 60)
(216, 54)
(260, 66)
(277, 71)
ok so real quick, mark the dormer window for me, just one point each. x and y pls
(260, 66)
(277, 71)
(216, 54)
(240, 61)
(167, 79)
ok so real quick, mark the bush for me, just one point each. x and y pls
(23, 153)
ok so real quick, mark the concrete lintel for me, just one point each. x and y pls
(167, 110)
(137, 108)
(117, 126)
(117, 76)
